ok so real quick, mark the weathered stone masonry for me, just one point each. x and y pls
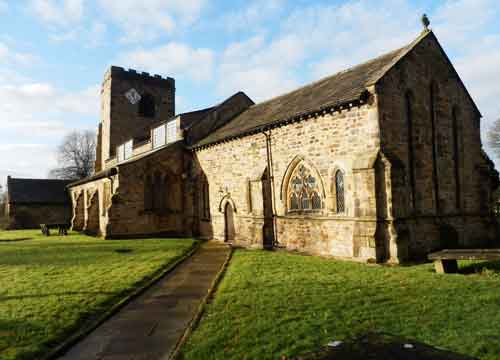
(369, 163)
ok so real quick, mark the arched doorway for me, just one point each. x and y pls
(228, 222)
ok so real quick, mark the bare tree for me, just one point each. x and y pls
(76, 156)
(494, 138)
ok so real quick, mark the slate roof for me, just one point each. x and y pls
(192, 117)
(37, 191)
(340, 88)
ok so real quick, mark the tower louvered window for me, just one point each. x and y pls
(147, 106)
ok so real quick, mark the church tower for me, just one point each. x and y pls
(131, 102)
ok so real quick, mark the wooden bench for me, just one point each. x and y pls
(62, 228)
(445, 261)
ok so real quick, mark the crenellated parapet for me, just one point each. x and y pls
(118, 72)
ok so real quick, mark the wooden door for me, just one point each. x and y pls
(229, 223)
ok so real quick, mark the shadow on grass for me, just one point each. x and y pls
(485, 267)
(15, 240)
(67, 293)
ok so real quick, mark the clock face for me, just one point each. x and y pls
(133, 96)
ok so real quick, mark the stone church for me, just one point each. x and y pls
(380, 162)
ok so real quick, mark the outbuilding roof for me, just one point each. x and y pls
(37, 191)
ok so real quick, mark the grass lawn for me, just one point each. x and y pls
(50, 287)
(271, 304)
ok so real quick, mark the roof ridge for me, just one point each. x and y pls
(351, 68)
(404, 51)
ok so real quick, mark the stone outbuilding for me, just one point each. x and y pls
(381, 162)
(31, 202)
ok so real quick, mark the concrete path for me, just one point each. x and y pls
(150, 326)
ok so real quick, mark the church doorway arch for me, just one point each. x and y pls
(229, 222)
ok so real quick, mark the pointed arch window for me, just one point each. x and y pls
(456, 158)
(304, 191)
(339, 187)
(411, 157)
(204, 199)
(157, 191)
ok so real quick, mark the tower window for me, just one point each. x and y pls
(147, 106)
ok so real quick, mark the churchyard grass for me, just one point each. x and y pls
(273, 304)
(20, 235)
(51, 287)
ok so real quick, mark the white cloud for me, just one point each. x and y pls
(33, 119)
(260, 69)
(174, 59)
(314, 41)
(64, 36)
(30, 160)
(41, 109)
(3, 6)
(11, 57)
(91, 36)
(58, 12)
(147, 19)
(252, 16)
(457, 20)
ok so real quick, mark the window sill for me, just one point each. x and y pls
(305, 212)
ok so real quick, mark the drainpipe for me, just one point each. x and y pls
(270, 180)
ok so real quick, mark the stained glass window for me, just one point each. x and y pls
(303, 190)
(316, 201)
(294, 202)
(304, 201)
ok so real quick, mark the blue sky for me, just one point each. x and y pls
(53, 54)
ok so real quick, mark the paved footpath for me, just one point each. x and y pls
(149, 327)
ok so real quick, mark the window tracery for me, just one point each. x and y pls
(304, 190)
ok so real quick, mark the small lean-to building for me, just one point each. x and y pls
(382, 161)
(31, 202)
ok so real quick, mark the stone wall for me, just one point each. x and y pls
(93, 214)
(30, 216)
(117, 206)
(91, 202)
(346, 141)
(451, 187)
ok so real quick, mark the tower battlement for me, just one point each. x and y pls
(132, 74)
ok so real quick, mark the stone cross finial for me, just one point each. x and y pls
(425, 21)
